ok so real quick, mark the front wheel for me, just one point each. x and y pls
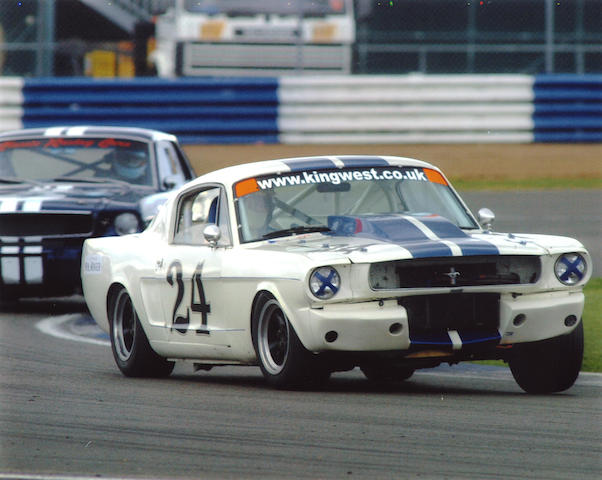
(132, 352)
(283, 359)
(548, 366)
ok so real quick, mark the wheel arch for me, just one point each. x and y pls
(114, 288)
(268, 290)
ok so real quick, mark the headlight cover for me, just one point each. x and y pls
(126, 223)
(570, 268)
(324, 282)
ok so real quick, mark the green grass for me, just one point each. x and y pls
(592, 325)
(464, 184)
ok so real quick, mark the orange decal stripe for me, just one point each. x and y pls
(434, 176)
(245, 187)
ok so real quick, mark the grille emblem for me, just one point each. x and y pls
(453, 275)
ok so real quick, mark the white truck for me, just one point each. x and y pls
(250, 37)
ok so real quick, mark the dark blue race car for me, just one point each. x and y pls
(61, 185)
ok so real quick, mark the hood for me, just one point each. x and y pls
(376, 238)
(69, 196)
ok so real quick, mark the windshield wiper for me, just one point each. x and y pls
(16, 180)
(11, 180)
(89, 180)
(296, 230)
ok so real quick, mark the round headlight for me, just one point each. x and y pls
(324, 282)
(570, 268)
(126, 223)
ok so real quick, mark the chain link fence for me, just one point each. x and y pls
(61, 38)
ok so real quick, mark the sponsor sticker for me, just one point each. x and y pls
(336, 177)
(93, 265)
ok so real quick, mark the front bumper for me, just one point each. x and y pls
(385, 325)
(43, 267)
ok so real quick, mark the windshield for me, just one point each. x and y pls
(300, 202)
(275, 7)
(76, 159)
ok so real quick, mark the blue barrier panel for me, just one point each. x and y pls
(567, 108)
(214, 110)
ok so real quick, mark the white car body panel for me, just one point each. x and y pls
(233, 274)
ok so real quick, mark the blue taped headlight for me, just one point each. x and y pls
(126, 223)
(570, 268)
(324, 282)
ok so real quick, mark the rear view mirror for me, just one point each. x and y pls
(333, 187)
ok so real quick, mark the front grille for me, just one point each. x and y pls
(455, 271)
(45, 224)
(432, 314)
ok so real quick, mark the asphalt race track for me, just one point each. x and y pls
(66, 410)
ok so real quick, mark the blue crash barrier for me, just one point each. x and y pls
(568, 108)
(346, 109)
(206, 110)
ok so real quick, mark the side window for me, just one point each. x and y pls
(199, 209)
(169, 163)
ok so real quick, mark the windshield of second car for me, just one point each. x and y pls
(76, 159)
(274, 7)
(300, 202)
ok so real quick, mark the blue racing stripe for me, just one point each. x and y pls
(298, 164)
(474, 246)
(444, 229)
(403, 232)
(427, 248)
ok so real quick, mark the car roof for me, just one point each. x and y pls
(89, 131)
(230, 175)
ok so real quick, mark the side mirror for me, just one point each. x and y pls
(212, 234)
(170, 182)
(159, 7)
(486, 218)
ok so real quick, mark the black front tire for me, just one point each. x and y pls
(132, 352)
(284, 361)
(548, 366)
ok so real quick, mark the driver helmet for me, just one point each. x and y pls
(130, 164)
(258, 209)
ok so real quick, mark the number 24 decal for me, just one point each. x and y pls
(201, 306)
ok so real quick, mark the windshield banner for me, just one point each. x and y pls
(336, 177)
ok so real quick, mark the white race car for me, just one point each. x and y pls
(307, 266)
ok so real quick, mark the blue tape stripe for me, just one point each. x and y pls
(299, 164)
(469, 338)
(441, 339)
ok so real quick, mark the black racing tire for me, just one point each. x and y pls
(382, 373)
(131, 350)
(284, 361)
(548, 366)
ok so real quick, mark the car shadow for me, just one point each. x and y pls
(356, 384)
(50, 306)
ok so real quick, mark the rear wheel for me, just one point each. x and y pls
(131, 350)
(548, 366)
(283, 359)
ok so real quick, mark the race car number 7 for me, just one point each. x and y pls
(180, 323)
